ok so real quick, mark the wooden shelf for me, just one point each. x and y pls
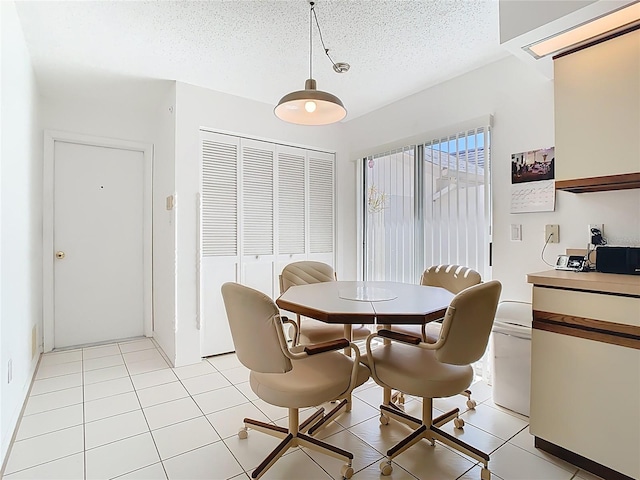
(600, 184)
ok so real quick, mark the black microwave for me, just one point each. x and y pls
(624, 260)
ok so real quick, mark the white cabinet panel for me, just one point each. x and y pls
(215, 336)
(259, 275)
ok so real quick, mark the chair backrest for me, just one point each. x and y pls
(467, 324)
(454, 278)
(255, 328)
(304, 273)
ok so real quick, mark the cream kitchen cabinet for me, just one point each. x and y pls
(585, 370)
(597, 115)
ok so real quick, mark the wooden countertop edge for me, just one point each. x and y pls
(590, 281)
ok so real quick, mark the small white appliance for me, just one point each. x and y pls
(511, 347)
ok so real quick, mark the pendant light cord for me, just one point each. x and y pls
(311, 12)
(326, 50)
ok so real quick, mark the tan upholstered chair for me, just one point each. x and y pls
(436, 370)
(453, 278)
(309, 330)
(301, 377)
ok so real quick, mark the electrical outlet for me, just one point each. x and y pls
(593, 240)
(552, 233)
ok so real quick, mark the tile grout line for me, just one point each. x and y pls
(207, 418)
(235, 385)
(146, 421)
(539, 457)
(17, 427)
(35, 436)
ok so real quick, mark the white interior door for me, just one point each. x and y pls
(100, 242)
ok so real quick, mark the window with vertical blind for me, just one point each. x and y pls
(427, 204)
(390, 216)
(456, 213)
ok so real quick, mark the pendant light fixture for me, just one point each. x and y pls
(311, 106)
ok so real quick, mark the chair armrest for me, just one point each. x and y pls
(400, 337)
(326, 346)
(293, 324)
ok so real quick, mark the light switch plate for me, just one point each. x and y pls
(516, 232)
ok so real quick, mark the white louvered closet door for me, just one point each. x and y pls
(320, 204)
(219, 256)
(257, 215)
(292, 211)
(262, 206)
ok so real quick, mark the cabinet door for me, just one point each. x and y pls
(582, 388)
(215, 335)
(321, 206)
(291, 200)
(219, 238)
(219, 209)
(257, 215)
(263, 206)
(597, 119)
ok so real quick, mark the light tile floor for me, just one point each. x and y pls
(120, 411)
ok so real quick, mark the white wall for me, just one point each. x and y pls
(20, 222)
(521, 102)
(141, 111)
(198, 107)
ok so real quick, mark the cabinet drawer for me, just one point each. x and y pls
(621, 309)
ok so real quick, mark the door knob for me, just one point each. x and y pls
(60, 255)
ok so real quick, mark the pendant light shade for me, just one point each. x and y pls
(311, 106)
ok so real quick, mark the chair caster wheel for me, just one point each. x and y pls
(485, 474)
(386, 469)
(471, 404)
(458, 422)
(346, 471)
(384, 420)
(243, 433)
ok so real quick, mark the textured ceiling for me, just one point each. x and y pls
(260, 49)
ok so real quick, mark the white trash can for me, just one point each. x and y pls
(511, 347)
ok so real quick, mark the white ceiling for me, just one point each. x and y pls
(259, 49)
